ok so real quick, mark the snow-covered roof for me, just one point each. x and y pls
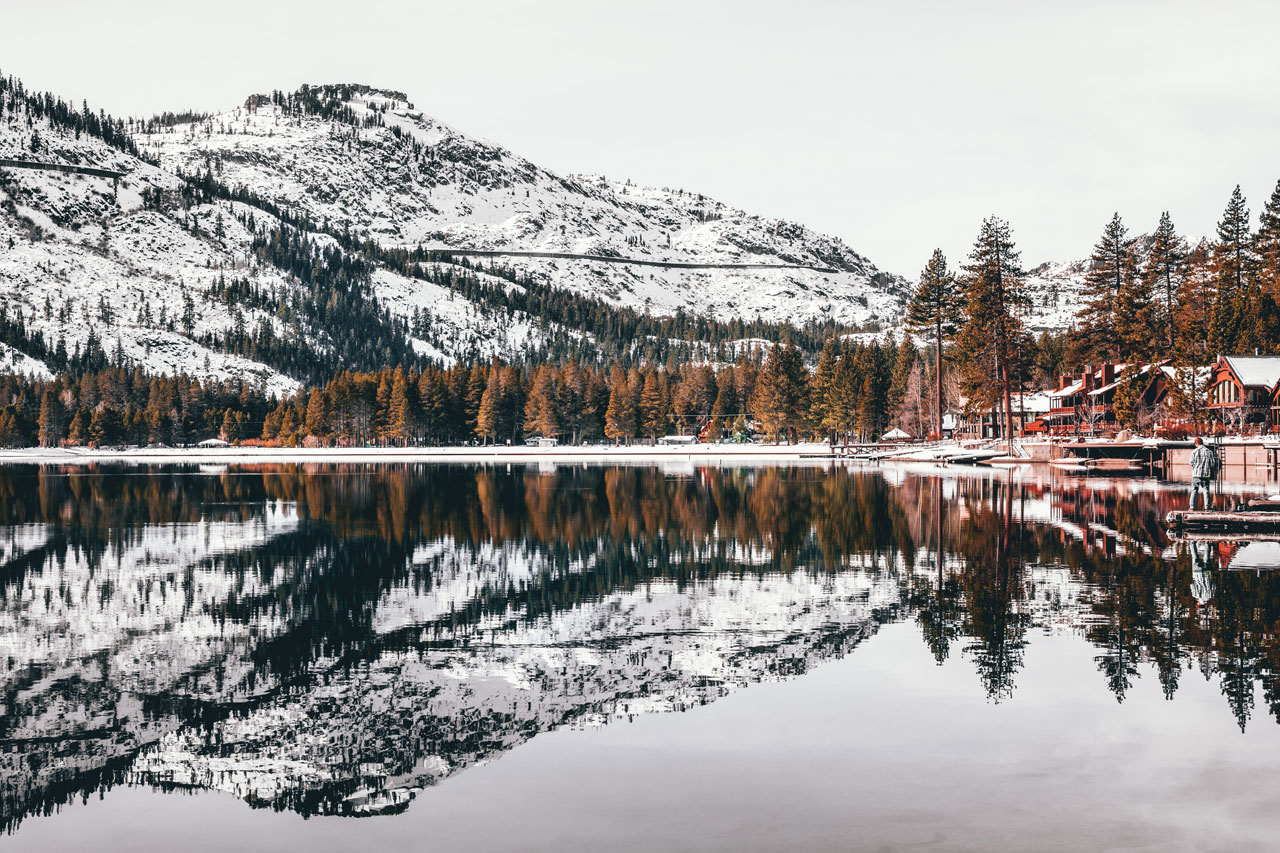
(1261, 370)
(1173, 372)
(896, 433)
(1038, 402)
(1073, 388)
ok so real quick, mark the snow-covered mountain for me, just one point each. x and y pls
(1054, 290)
(130, 263)
(387, 170)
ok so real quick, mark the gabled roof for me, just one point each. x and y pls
(1068, 391)
(1142, 371)
(1261, 371)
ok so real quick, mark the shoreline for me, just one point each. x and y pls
(522, 453)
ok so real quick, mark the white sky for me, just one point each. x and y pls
(895, 125)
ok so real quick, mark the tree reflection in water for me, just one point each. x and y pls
(332, 638)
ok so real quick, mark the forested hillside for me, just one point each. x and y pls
(328, 229)
(333, 266)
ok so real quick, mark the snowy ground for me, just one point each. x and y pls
(518, 453)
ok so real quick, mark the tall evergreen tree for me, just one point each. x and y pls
(653, 406)
(1112, 268)
(489, 414)
(1233, 266)
(905, 358)
(779, 398)
(995, 296)
(1163, 275)
(1267, 244)
(1264, 319)
(49, 422)
(937, 306)
(820, 387)
(542, 409)
(620, 418)
(400, 419)
(317, 418)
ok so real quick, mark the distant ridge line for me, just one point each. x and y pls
(609, 259)
(60, 167)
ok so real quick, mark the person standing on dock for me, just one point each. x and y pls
(1204, 465)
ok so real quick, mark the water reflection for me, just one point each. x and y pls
(334, 639)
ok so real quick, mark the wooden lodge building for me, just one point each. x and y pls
(1243, 392)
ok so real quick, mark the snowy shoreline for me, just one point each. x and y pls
(227, 455)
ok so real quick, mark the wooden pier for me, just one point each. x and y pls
(1230, 521)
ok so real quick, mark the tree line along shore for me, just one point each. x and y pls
(1144, 299)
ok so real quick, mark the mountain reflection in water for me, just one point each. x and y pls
(333, 639)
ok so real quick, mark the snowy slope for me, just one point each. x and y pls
(86, 256)
(128, 264)
(409, 180)
(83, 257)
(1055, 290)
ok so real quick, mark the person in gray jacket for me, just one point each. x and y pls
(1204, 465)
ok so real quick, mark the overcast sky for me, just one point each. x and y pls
(894, 125)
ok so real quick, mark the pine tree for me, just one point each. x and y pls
(779, 397)
(768, 404)
(937, 306)
(1233, 266)
(795, 385)
(820, 385)
(513, 394)
(572, 401)
(992, 329)
(10, 428)
(489, 414)
(905, 359)
(1267, 245)
(382, 407)
(1112, 268)
(289, 427)
(1264, 318)
(620, 417)
(542, 409)
(1163, 275)
(104, 426)
(1194, 306)
(726, 406)
(49, 421)
(400, 419)
(1128, 395)
(228, 429)
(477, 382)
(79, 430)
(871, 408)
(316, 423)
(653, 406)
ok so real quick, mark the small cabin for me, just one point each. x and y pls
(678, 439)
(541, 441)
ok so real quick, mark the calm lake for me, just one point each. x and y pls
(420, 657)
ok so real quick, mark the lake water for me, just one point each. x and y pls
(420, 657)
